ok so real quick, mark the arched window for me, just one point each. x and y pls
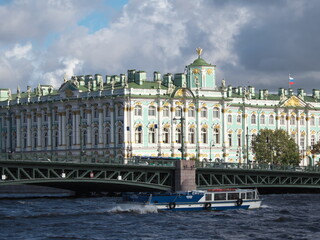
(239, 118)
(302, 120)
(230, 139)
(166, 111)
(96, 113)
(204, 135)
(292, 120)
(152, 111)
(69, 142)
(282, 120)
(107, 111)
(191, 112)
(216, 112)
(216, 135)
(166, 135)
(138, 134)
(108, 136)
(253, 119)
(302, 141)
(35, 140)
(84, 138)
(229, 118)
(152, 135)
(239, 139)
(178, 135)
(191, 136)
(312, 121)
(120, 135)
(45, 138)
(313, 140)
(138, 110)
(120, 110)
(24, 142)
(263, 119)
(203, 112)
(96, 138)
(178, 112)
(271, 119)
(69, 119)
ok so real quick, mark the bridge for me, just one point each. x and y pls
(154, 175)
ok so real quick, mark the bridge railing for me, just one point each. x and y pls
(42, 157)
(255, 166)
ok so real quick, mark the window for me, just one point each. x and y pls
(165, 135)
(204, 112)
(69, 138)
(178, 112)
(253, 139)
(138, 134)
(282, 120)
(191, 135)
(152, 111)
(313, 140)
(45, 116)
(271, 120)
(239, 118)
(120, 135)
(107, 111)
(56, 139)
(312, 121)
(230, 139)
(216, 135)
(34, 117)
(45, 138)
(302, 121)
(152, 135)
(178, 135)
(96, 137)
(239, 139)
(108, 136)
(84, 139)
(191, 112)
(120, 110)
(35, 140)
(69, 120)
(229, 118)
(204, 134)
(292, 120)
(253, 119)
(216, 112)
(166, 111)
(96, 113)
(263, 119)
(24, 142)
(302, 141)
(293, 136)
(138, 111)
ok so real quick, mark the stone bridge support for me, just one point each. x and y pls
(185, 175)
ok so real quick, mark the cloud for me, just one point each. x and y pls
(251, 42)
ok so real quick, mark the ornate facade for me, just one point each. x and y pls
(92, 119)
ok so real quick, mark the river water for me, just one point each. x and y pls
(282, 216)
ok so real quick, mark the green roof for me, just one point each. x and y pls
(200, 62)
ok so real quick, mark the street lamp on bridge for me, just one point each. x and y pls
(181, 119)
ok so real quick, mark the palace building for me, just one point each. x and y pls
(96, 119)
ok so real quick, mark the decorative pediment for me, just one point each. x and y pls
(294, 101)
(183, 92)
(68, 87)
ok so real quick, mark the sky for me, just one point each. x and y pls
(252, 42)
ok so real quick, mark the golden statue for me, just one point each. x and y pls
(199, 51)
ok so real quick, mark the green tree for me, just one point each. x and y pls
(275, 147)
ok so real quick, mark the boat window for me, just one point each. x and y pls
(254, 195)
(233, 196)
(249, 195)
(243, 195)
(220, 196)
(208, 197)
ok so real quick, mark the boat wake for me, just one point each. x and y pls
(133, 208)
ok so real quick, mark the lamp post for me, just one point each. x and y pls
(247, 140)
(181, 119)
(211, 145)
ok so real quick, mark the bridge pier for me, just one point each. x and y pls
(185, 175)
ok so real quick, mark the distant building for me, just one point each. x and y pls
(92, 119)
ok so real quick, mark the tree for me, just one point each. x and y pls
(275, 147)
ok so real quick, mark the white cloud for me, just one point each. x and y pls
(19, 51)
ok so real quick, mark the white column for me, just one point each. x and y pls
(28, 130)
(74, 130)
(78, 127)
(39, 135)
(18, 124)
(100, 127)
(49, 114)
(63, 129)
(89, 129)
